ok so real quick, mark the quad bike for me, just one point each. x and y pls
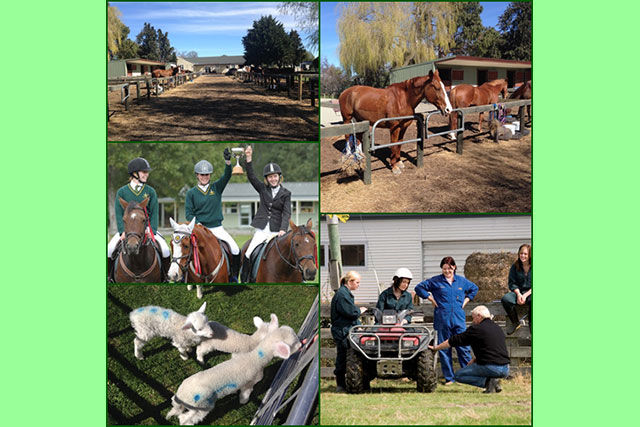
(391, 349)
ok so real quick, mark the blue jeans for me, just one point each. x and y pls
(477, 375)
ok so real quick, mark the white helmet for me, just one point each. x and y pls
(403, 272)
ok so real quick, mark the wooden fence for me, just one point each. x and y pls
(294, 83)
(518, 344)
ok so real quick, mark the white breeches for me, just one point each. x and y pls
(221, 234)
(258, 237)
(116, 238)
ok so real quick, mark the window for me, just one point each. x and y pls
(231, 208)
(457, 75)
(321, 256)
(306, 207)
(245, 214)
(352, 255)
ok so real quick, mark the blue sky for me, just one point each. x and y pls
(209, 28)
(329, 12)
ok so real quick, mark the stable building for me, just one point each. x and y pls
(377, 245)
(455, 70)
(211, 64)
(240, 203)
(133, 67)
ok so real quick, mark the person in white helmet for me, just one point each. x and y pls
(272, 217)
(204, 202)
(397, 297)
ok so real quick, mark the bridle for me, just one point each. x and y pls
(142, 241)
(193, 262)
(302, 231)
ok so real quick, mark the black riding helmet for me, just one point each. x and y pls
(271, 168)
(138, 164)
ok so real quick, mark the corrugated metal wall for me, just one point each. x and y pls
(420, 243)
(117, 68)
(405, 73)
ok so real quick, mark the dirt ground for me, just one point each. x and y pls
(488, 177)
(213, 108)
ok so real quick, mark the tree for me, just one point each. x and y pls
(489, 44)
(190, 54)
(296, 52)
(266, 42)
(306, 15)
(515, 25)
(115, 30)
(148, 41)
(334, 80)
(167, 53)
(468, 28)
(375, 37)
(128, 49)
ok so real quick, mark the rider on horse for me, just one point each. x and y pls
(274, 212)
(204, 202)
(137, 190)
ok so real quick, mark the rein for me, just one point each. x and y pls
(193, 261)
(292, 250)
(142, 241)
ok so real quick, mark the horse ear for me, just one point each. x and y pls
(292, 225)
(309, 224)
(174, 224)
(431, 73)
(203, 307)
(123, 203)
(192, 224)
(144, 203)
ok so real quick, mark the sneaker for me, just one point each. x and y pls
(498, 387)
(493, 386)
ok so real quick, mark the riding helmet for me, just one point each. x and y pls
(272, 168)
(138, 164)
(403, 273)
(203, 167)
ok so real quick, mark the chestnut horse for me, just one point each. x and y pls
(165, 73)
(290, 258)
(399, 99)
(523, 92)
(138, 261)
(468, 95)
(197, 256)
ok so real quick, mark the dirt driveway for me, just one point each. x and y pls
(214, 108)
(487, 178)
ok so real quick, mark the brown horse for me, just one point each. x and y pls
(523, 92)
(138, 261)
(468, 95)
(399, 99)
(197, 256)
(289, 258)
(165, 73)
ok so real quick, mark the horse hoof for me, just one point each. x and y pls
(400, 165)
(396, 170)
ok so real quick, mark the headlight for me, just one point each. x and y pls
(370, 343)
(389, 320)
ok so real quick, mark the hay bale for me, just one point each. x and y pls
(490, 271)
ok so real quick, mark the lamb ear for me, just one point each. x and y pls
(282, 350)
(273, 325)
(257, 321)
(202, 307)
(186, 326)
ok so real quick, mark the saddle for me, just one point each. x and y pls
(258, 254)
(226, 252)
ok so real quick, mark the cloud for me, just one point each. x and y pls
(201, 13)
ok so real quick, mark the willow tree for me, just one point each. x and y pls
(115, 31)
(376, 36)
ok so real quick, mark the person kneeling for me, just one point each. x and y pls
(491, 361)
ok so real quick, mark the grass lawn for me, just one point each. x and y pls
(139, 391)
(396, 402)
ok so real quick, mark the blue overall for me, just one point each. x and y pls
(449, 316)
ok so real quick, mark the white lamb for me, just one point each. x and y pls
(197, 394)
(229, 341)
(184, 332)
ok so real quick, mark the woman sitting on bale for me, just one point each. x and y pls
(520, 281)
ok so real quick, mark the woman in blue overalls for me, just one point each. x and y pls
(448, 293)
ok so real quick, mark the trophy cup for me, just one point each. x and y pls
(237, 152)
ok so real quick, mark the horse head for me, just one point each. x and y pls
(303, 244)
(135, 221)
(181, 247)
(175, 70)
(435, 92)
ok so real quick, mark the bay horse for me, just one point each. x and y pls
(165, 73)
(399, 99)
(138, 261)
(523, 92)
(197, 256)
(468, 95)
(290, 258)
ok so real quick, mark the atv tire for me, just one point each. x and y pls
(355, 376)
(426, 374)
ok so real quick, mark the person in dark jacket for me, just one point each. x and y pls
(344, 315)
(449, 293)
(274, 213)
(520, 281)
(396, 297)
(491, 360)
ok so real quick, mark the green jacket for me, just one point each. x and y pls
(387, 300)
(126, 192)
(207, 207)
(520, 279)
(344, 313)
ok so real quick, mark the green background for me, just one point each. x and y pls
(585, 223)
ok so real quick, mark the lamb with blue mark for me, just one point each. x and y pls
(197, 394)
(229, 341)
(184, 332)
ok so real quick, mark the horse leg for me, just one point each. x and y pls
(395, 151)
(403, 129)
(453, 122)
(480, 118)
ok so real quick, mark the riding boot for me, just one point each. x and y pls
(236, 260)
(166, 263)
(515, 322)
(245, 271)
(111, 262)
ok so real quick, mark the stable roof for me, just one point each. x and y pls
(216, 60)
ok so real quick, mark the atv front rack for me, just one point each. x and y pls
(402, 334)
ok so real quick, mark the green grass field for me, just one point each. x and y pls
(139, 391)
(396, 402)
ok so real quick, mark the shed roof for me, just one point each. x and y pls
(216, 60)
(244, 192)
(472, 61)
(144, 61)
